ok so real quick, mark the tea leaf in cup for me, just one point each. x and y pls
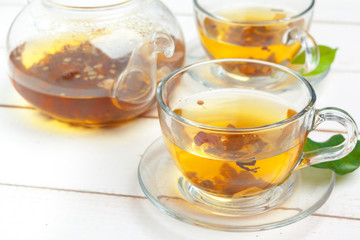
(327, 56)
(342, 166)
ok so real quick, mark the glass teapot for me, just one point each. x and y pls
(93, 62)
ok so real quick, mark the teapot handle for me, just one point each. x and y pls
(137, 83)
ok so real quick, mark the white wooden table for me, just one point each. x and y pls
(63, 182)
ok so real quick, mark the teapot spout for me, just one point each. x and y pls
(136, 85)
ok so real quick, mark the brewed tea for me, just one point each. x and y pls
(72, 79)
(250, 33)
(233, 164)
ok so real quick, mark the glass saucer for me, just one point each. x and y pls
(160, 180)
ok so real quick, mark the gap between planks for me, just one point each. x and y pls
(33, 108)
(73, 190)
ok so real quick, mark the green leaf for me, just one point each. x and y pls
(327, 56)
(342, 166)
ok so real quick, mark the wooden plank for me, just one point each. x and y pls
(326, 11)
(45, 214)
(40, 151)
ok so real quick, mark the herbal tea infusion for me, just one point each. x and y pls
(233, 164)
(262, 33)
(72, 79)
(263, 41)
(93, 63)
(237, 149)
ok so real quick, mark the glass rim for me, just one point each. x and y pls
(173, 115)
(55, 3)
(221, 18)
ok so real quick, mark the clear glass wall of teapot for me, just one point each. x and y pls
(96, 63)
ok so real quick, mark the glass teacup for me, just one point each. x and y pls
(236, 146)
(274, 31)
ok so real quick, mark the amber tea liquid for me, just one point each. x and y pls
(71, 79)
(262, 41)
(232, 164)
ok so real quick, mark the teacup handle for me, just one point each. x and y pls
(311, 49)
(336, 152)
